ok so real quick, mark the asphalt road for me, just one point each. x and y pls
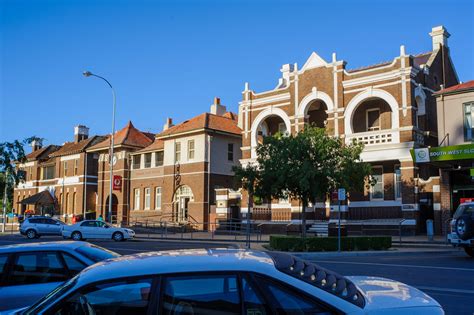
(447, 275)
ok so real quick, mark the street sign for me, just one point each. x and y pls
(117, 183)
(341, 194)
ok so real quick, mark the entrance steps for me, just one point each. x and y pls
(319, 228)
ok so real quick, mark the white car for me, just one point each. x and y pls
(96, 230)
(227, 281)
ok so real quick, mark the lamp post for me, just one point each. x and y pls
(111, 151)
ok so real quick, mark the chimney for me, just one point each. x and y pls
(439, 36)
(169, 124)
(81, 132)
(217, 108)
(36, 144)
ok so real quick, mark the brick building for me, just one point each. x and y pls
(175, 177)
(388, 106)
(67, 172)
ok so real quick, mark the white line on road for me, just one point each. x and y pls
(393, 265)
(446, 290)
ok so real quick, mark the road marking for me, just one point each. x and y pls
(446, 290)
(392, 265)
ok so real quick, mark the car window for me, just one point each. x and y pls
(100, 224)
(73, 264)
(254, 304)
(3, 266)
(34, 221)
(201, 295)
(37, 267)
(50, 221)
(121, 297)
(88, 224)
(287, 301)
(96, 253)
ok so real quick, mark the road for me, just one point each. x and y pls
(447, 275)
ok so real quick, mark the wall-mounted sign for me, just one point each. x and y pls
(438, 154)
(117, 183)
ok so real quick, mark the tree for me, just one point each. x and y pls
(308, 166)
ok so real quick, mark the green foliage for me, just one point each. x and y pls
(323, 244)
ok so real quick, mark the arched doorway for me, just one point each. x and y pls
(114, 209)
(182, 197)
(268, 122)
(316, 113)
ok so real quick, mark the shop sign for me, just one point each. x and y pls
(449, 153)
(117, 183)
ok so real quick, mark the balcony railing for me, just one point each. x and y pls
(375, 137)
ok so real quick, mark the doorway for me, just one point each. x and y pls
(182, 197)
(114, 209)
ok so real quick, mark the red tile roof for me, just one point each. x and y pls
(43, 153)
(469, 85)
(77, 147)
(205, 121)
(127, 136)
(155, 146)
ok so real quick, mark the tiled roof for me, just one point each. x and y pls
(419, 59)
(77, 147)
(42, 153)
(385, 63)
(469, 85)
(127, 136)
(155, 146)
(204, 121)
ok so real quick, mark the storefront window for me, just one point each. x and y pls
(468, 119)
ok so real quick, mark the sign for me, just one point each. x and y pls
(472, 172)
(341, 194)
(117, 183)
(438, 154)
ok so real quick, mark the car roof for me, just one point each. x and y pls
(174, 261)
(43, 246)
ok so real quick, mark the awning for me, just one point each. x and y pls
(42, 198)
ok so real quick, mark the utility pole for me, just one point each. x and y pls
(5, 203)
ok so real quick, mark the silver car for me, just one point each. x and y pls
(35, 227)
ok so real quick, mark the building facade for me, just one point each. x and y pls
(388, 106)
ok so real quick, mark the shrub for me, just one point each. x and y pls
(323, 244)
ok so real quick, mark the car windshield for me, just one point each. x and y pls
(463, 209)
(96, 253)
(50, 297)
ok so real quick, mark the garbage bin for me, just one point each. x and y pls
(429, 229)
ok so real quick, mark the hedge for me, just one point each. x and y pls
(323, 244)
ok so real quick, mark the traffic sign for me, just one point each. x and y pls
(341, 194)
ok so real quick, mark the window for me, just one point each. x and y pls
(398, 182)
(136, 162)
(37, 267)
(190, 149)
(159, 157)
(158, 198)
(253, 302)
(286, 301)
(177, 152)
(96, 253)
(373, 119)
(230, 152)
(74, 265)
(468, 120)
(73, 203)
(147, 160)
(30, 173)
(147, 198)
(3, 264)
(376, 191)
(48, 172)
(136, 201)
(76, 167)
(120, 297)
(66, 205)
(65, 168)
(201, 295)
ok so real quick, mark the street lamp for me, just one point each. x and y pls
(111, 151)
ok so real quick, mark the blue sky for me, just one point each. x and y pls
(170, 58)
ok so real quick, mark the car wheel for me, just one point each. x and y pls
(77, 236)
(469, 251)
(464, 227)
(31, 234)
(118, 236)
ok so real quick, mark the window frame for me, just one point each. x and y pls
(76, 167)
(397, 189)
(158, 207)
(469, 115)
(367, 120)
(136, 166)
(145, 164)
(136, 205)
(372, 187)
(191, 149)
(65, 168)
(177, 152)
(230, 152)
(147, 198)
(158, 153)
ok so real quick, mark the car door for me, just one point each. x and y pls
(104, 230)
(30, 276)
(87, 229)
(54, 227)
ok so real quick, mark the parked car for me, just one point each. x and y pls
(97, 230)
(462, 228)
(29, 271)
(227, 281)
(35, 227)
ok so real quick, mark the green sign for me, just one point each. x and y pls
(449, 153)
(472, 172)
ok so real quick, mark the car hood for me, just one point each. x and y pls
(382, 293)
